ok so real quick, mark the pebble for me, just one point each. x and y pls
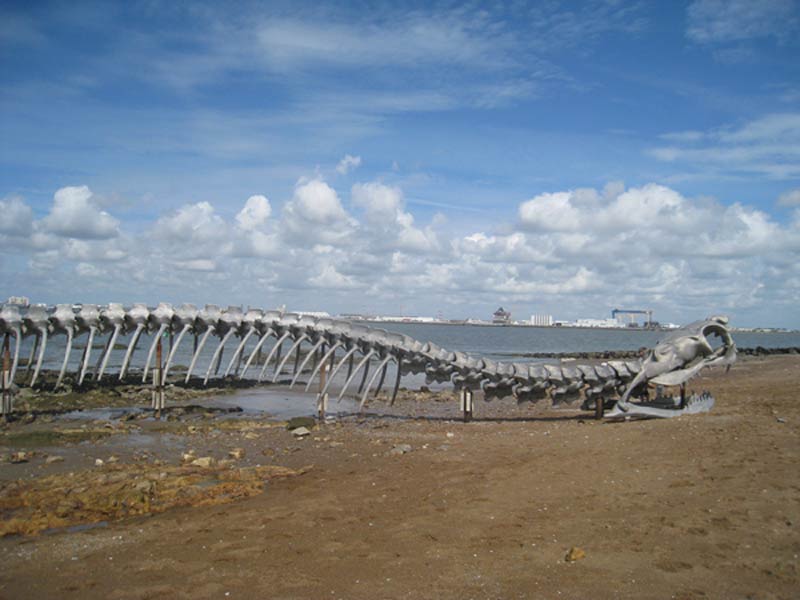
(53, 459)
(400, 449)
(574, 554)
(20, 457)
(237, 453)
(204, 461)
(300, 432)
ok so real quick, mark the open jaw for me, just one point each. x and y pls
(623, 387)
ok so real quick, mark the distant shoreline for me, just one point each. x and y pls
(520, 325)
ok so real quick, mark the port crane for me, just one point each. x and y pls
(632, 312)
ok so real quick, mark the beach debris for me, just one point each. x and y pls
(237, 453)
(99, 462)
(188, 456)
(398, 449)
(297, 422)
(300, 432)
(53, 458)
(575, 554)
(204, 461)
(20, 457)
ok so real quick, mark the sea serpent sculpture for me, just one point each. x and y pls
(620, 386)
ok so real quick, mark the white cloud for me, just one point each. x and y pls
(315, 212)
(726, 21)
(199, 264)
(768, 146)
(255, 213)
(16, 217)
(571, 253)
(191, 223)
(317, 202)
(385, 213)
(553, 212)
(330, 279)
(75, 215)
(790, 198)
(347, 164)
(409, 39)
(381, 203)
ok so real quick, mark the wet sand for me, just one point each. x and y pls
(706, 506)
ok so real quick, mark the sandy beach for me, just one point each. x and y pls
(402, 506)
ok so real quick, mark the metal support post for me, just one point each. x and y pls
(466, 404)
(6, 381)
(322, 399)
(599, 407)
(158, 382)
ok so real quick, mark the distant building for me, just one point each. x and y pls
(605, 323)
(542, 320)
(312, 313)
(501, 317)
(19, 300)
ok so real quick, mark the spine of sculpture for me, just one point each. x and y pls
(327, 342)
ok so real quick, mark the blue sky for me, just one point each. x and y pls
(564, 158)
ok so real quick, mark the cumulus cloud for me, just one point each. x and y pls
(75, 215)
(191, 223)
(347, 164)
(790, 198)
(384, 211)
(570, 252)
(255, 213)
(316, 212)
(16, 217)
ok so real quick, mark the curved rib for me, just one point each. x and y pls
(363, 378)
(129, 352)
(217, 353)
(34, 347)
(197, 352)
(87, 353)
(347, 355)
(383, 377)
(239, 350)
(272, 352)
(107, 354)
(161, 329)
(305, 361)
(380, 369)
(174, 349)
(260, 343)
(70, 333)
(288, 356)
(396, 383)
(322, 361)
(41, 357)
(361, 363)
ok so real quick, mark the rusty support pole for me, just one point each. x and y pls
(599, 407)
